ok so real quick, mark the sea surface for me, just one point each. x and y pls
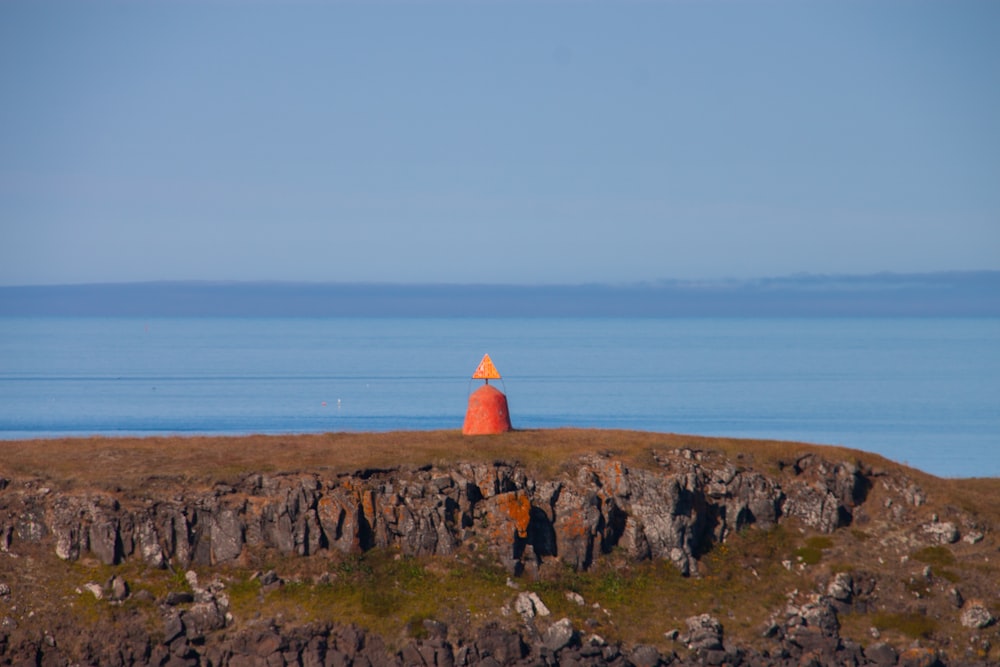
(921, 391)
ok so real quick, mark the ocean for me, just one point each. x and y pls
(923, 391)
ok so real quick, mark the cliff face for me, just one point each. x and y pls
(674, 513)
(677, 508)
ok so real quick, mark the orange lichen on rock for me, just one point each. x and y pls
(517, 506)
(506, 517)
(367, 498)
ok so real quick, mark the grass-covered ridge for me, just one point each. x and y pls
(130, 463)
(743, 581)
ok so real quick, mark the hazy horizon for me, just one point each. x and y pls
(877, 295)
(720, 280)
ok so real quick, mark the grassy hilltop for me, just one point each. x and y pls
(918, 583)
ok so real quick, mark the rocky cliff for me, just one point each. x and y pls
(858, 553)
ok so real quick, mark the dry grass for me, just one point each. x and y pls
(132, 463)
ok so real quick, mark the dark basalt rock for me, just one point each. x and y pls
(672, 514)
(672, 511)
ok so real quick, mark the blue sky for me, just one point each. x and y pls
(496, 142)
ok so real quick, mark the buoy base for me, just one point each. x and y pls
(487, 413)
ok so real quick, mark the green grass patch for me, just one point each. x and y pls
(65, 594)
(809, 555)
(393, 595)
(244, 596)
(381, 590)
(936, 555)
(820, 542)
(947, 575)
(915, 626)
(812, 552)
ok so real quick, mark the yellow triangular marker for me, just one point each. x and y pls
(486, 370)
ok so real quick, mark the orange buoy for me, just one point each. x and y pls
(487, 413)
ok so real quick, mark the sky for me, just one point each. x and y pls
(554, 142)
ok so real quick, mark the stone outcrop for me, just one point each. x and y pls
(674, 509)
(674, 512)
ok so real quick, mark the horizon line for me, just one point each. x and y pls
(653, 282)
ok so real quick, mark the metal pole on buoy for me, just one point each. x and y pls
(487, 413)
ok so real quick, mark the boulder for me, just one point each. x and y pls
(645, 655)
(174, 598)
(118, 589)
(881, 655)
(841, 587)
(173, 627)
(503, 646)
(529, 605)
(704, 632)
(559, 635)
(975, 615)
(919, 657)
(941, 533)
(203, 617)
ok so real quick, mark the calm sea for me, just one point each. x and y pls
(921, 391)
